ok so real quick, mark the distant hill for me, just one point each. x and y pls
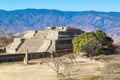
(21, 20)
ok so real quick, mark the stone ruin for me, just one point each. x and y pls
(52, 39)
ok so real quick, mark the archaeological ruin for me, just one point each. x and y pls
(52, 39)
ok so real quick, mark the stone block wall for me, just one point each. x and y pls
(20, 56)
(63, 45)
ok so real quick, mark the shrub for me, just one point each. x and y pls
(92, 48)
(80, 41)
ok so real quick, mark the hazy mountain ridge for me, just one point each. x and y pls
(22, 20)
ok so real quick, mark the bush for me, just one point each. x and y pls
(82, 40)
(92, 48)
(79, 41)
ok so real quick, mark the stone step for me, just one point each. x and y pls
(44, 47)
(31, 44)
(41, 34)
(11, 48)
(29, 34)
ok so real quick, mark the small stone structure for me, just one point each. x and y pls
(52, 39)
(25, 61)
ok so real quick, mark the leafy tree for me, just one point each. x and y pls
(81, 40)
(103, 38)
(106, 41)
(92, 48)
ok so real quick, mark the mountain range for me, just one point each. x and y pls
(18, 21)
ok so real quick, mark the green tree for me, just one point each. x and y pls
(106, 41)
(92, 48)
(81, 40)
(103, 38)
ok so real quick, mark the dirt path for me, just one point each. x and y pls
(30, 72)
(37, 71)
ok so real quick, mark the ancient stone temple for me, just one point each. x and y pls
(48, 40)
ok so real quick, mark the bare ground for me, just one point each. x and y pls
(37, 71)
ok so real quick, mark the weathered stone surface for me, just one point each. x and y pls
(45, 46)
(12, 48)
(29, 34)
(25, 61)
(49, 40)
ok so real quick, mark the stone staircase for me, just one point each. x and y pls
(29, 34)
(45, 46)
(32, 45)
(41, 34)
(36, 42)
(12, 48)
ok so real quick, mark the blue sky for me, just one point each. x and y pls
(64, 5)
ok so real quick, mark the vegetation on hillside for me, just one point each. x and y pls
(4, 40)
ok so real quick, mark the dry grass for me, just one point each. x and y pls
(84, 69)
(111, 70)
(108, 58)
(37, 71)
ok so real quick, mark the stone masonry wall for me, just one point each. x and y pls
(20, 56)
